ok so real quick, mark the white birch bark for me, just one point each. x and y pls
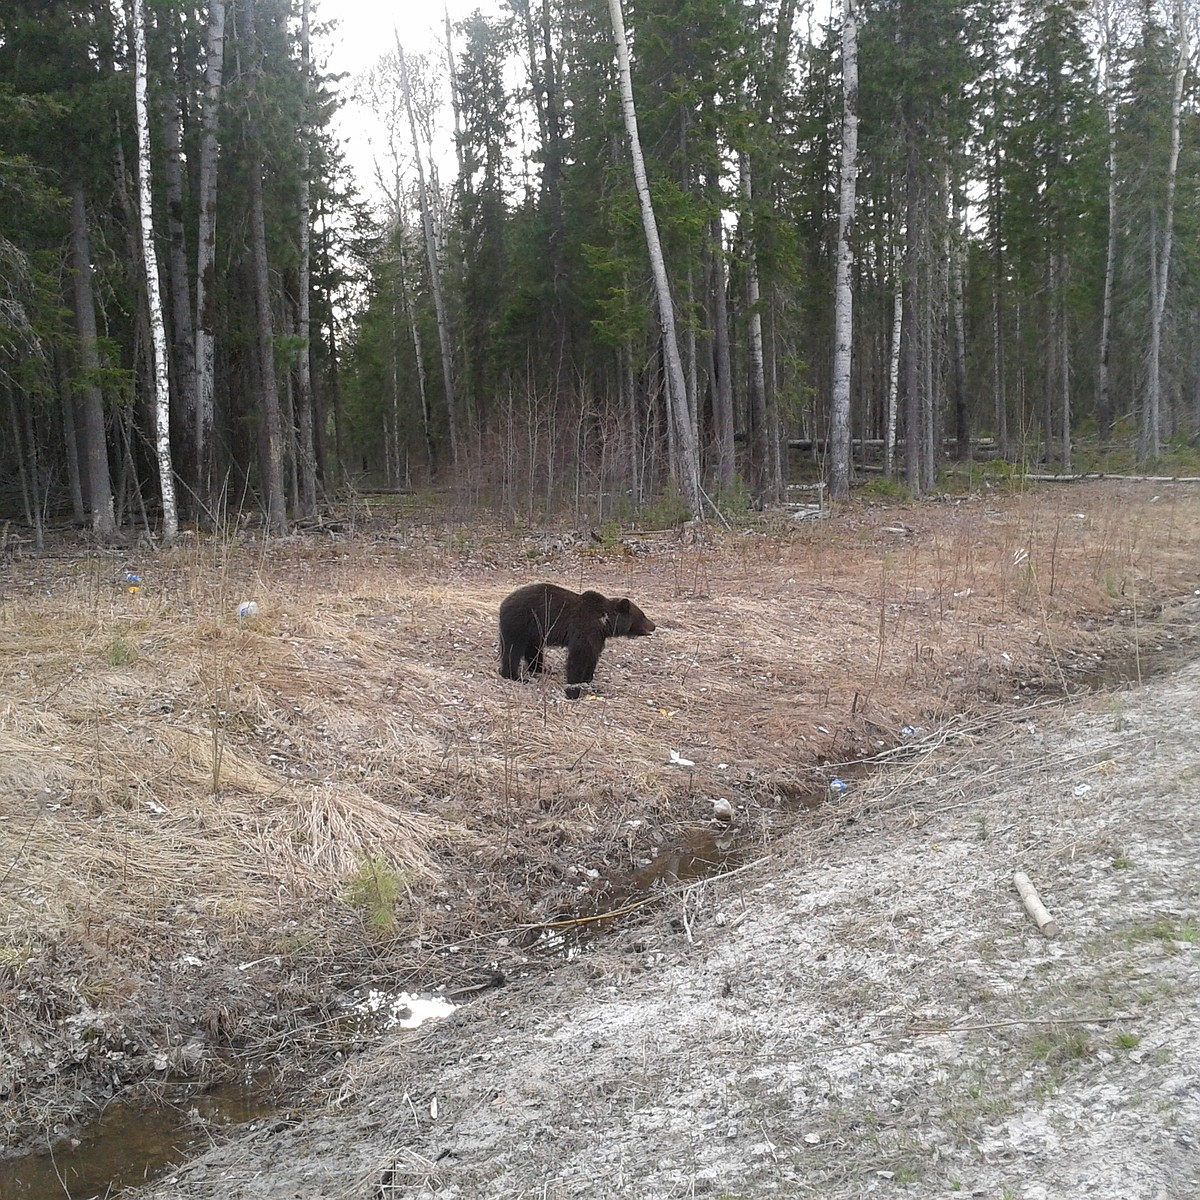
(759, 447)
(431, 253)
(910, 334)
(687, 441)
(893, 386)
(414, 330)
(1160, 271)
(271, 421)
(161, 390)
(955, 255)
(455, 104)
(1064, 353)
(843, 305)
(307, 472)
(930, 429)
(723, 389)
(206, 256)
(1103, 386)
(999, 374)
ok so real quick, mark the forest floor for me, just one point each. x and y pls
(805, 798)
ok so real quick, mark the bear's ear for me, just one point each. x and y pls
(623, 606)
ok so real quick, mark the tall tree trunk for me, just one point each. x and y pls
(633, 420)
(70, 436)
(183, 332)
(418, 352)
(1104, 412)
(1194, 425)
(1064, 370)
(435, 271)
(307, 465)
(161, 391)
(37, 482)
(893, 380)
(271, 424)
(774, 422)
(843, 304)
(206, 258)
(274, 504)
(688, 448)
(331, 359)
(1050, 359)
(759, 441)
(999, 374)
(24, 443)
(544, 80)
(95, 447)
(455, 102)
(723, 364)
(758, 173)
(1150, 444)
(910, 339)
(930, 423)
(954, 261)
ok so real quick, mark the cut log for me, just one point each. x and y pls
(1034, 906)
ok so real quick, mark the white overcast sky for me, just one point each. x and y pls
(366, 30)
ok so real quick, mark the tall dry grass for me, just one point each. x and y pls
(167, 767)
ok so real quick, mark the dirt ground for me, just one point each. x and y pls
(804, 797)
(869, 1011)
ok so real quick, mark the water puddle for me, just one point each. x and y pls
(128, 1145)
(703, 854)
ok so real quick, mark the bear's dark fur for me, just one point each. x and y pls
(544, 614)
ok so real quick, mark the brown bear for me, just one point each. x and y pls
(544, 614)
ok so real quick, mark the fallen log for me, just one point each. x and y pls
(1034, 906)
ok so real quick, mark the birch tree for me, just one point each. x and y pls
(271, 443)
(843, 311)
(1150, 442)
(304, 392)
(955, 238)
(161, 390)
(1107, 21)
(206, 255)
(687, 445)
(760, 442)
(893, 371)
(722, 389)
(431, 254)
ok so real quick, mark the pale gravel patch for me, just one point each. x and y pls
(865, 1015)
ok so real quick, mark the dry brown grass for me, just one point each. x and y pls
(166, 767)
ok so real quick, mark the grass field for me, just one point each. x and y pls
(212, 827)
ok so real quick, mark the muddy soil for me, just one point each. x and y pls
(865, 1010)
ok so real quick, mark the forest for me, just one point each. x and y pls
(617, 255)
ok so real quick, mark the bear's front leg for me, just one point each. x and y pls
(510, 661)
(581, 667)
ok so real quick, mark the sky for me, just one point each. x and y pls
(366, 30)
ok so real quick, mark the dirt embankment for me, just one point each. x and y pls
(213, 827)
(868, 1010)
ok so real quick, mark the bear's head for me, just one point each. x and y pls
(629, 621)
